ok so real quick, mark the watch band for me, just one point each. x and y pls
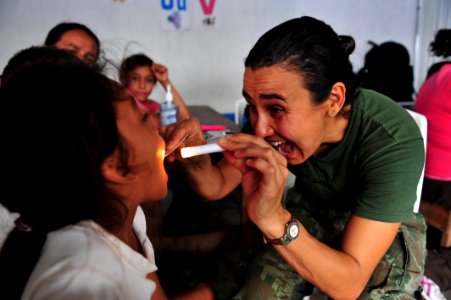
(290, 234)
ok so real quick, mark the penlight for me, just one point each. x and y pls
(199, 150)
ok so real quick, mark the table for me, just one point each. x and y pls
(188, 213)
(209, 232)
(208, 115)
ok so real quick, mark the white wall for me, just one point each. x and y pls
(206, 64)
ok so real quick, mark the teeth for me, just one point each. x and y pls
(281, 152)
(277, 145)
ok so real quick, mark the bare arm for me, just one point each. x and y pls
(342, 274)
(162, 75)
(212, 182)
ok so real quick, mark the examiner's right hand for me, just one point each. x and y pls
(185, 133)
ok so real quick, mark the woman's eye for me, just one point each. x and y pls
(275, 109)
(71, 51)
(145, 117)
(89, 59)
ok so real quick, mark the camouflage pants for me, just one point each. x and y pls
(397, 275)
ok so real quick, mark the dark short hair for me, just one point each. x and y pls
(441, 45)
(60, 29)
(130, 63)
(34, 54)
(387, 70)
(312, 48)
(72, 129)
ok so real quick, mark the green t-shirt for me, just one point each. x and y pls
(374, 171)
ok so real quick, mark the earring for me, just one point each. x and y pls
(332, 113)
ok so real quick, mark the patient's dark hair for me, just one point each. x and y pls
(57, 128)
(36, 54)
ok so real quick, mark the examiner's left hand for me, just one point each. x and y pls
(264, 173)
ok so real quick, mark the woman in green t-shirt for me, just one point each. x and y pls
(347, 227)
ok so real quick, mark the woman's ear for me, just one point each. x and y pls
(336, 99)
(112, 171)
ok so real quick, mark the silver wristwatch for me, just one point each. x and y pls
(291, 233)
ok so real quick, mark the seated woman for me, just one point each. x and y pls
(347, 227)
(76, 39)
(87, 162)
(433, 102)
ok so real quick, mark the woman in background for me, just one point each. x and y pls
(434, 102)
(440, 47)
(76, 39)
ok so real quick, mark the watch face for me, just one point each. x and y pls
(291, 233)
(293, 230)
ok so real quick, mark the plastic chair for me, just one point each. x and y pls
(423, 125)
(240, 105)
(435, 215)
(7, 219)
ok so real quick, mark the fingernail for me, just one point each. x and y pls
(222, 140)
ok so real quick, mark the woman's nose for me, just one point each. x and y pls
(263, 127)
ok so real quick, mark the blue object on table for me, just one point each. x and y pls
(230, 116)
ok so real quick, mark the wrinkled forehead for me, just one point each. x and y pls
(142, 70)
(80, 38)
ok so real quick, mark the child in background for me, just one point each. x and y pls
(139, 74)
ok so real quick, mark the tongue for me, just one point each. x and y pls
(286, 147)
